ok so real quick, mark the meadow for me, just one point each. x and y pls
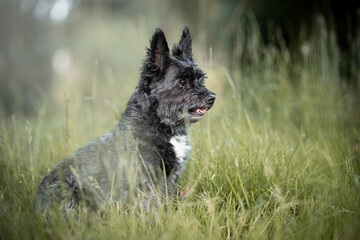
(277, 157)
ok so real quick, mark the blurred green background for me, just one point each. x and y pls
(49, 47)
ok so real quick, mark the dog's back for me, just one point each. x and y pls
(107, 168)
(83, 176)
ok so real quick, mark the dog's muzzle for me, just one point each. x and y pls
(197, 113)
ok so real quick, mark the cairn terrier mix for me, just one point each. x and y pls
(146, 152)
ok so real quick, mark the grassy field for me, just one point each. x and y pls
(277, 156)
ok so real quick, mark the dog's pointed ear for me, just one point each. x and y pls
(185, 45)
(159, 48)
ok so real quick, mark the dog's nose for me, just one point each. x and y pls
(210, 99)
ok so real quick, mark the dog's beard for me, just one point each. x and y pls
(172, 114)
(193, 115)
(196, 114)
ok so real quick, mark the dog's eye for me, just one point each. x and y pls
(182, 82)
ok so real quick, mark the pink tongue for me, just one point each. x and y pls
(202, 110)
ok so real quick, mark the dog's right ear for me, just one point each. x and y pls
(159, 49)
(184, 47)
(185, 43)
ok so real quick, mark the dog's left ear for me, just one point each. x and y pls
(185, 46)
(159, 48)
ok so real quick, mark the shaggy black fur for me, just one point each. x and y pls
(169, 95)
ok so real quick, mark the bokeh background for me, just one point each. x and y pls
(50, 47)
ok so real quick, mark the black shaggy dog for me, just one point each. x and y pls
(145, 154)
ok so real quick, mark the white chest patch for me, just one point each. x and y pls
(181, 148)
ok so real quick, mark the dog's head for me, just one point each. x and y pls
(175, 80)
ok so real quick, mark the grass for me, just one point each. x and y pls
(277, 157)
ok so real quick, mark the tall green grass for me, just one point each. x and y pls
(277, 156)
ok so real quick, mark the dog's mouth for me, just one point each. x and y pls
(196, 114)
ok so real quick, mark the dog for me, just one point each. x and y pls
(146, 152)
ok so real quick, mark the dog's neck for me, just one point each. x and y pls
(141, 114)
(170, 140)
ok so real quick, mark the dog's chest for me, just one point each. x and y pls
(181, 148)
